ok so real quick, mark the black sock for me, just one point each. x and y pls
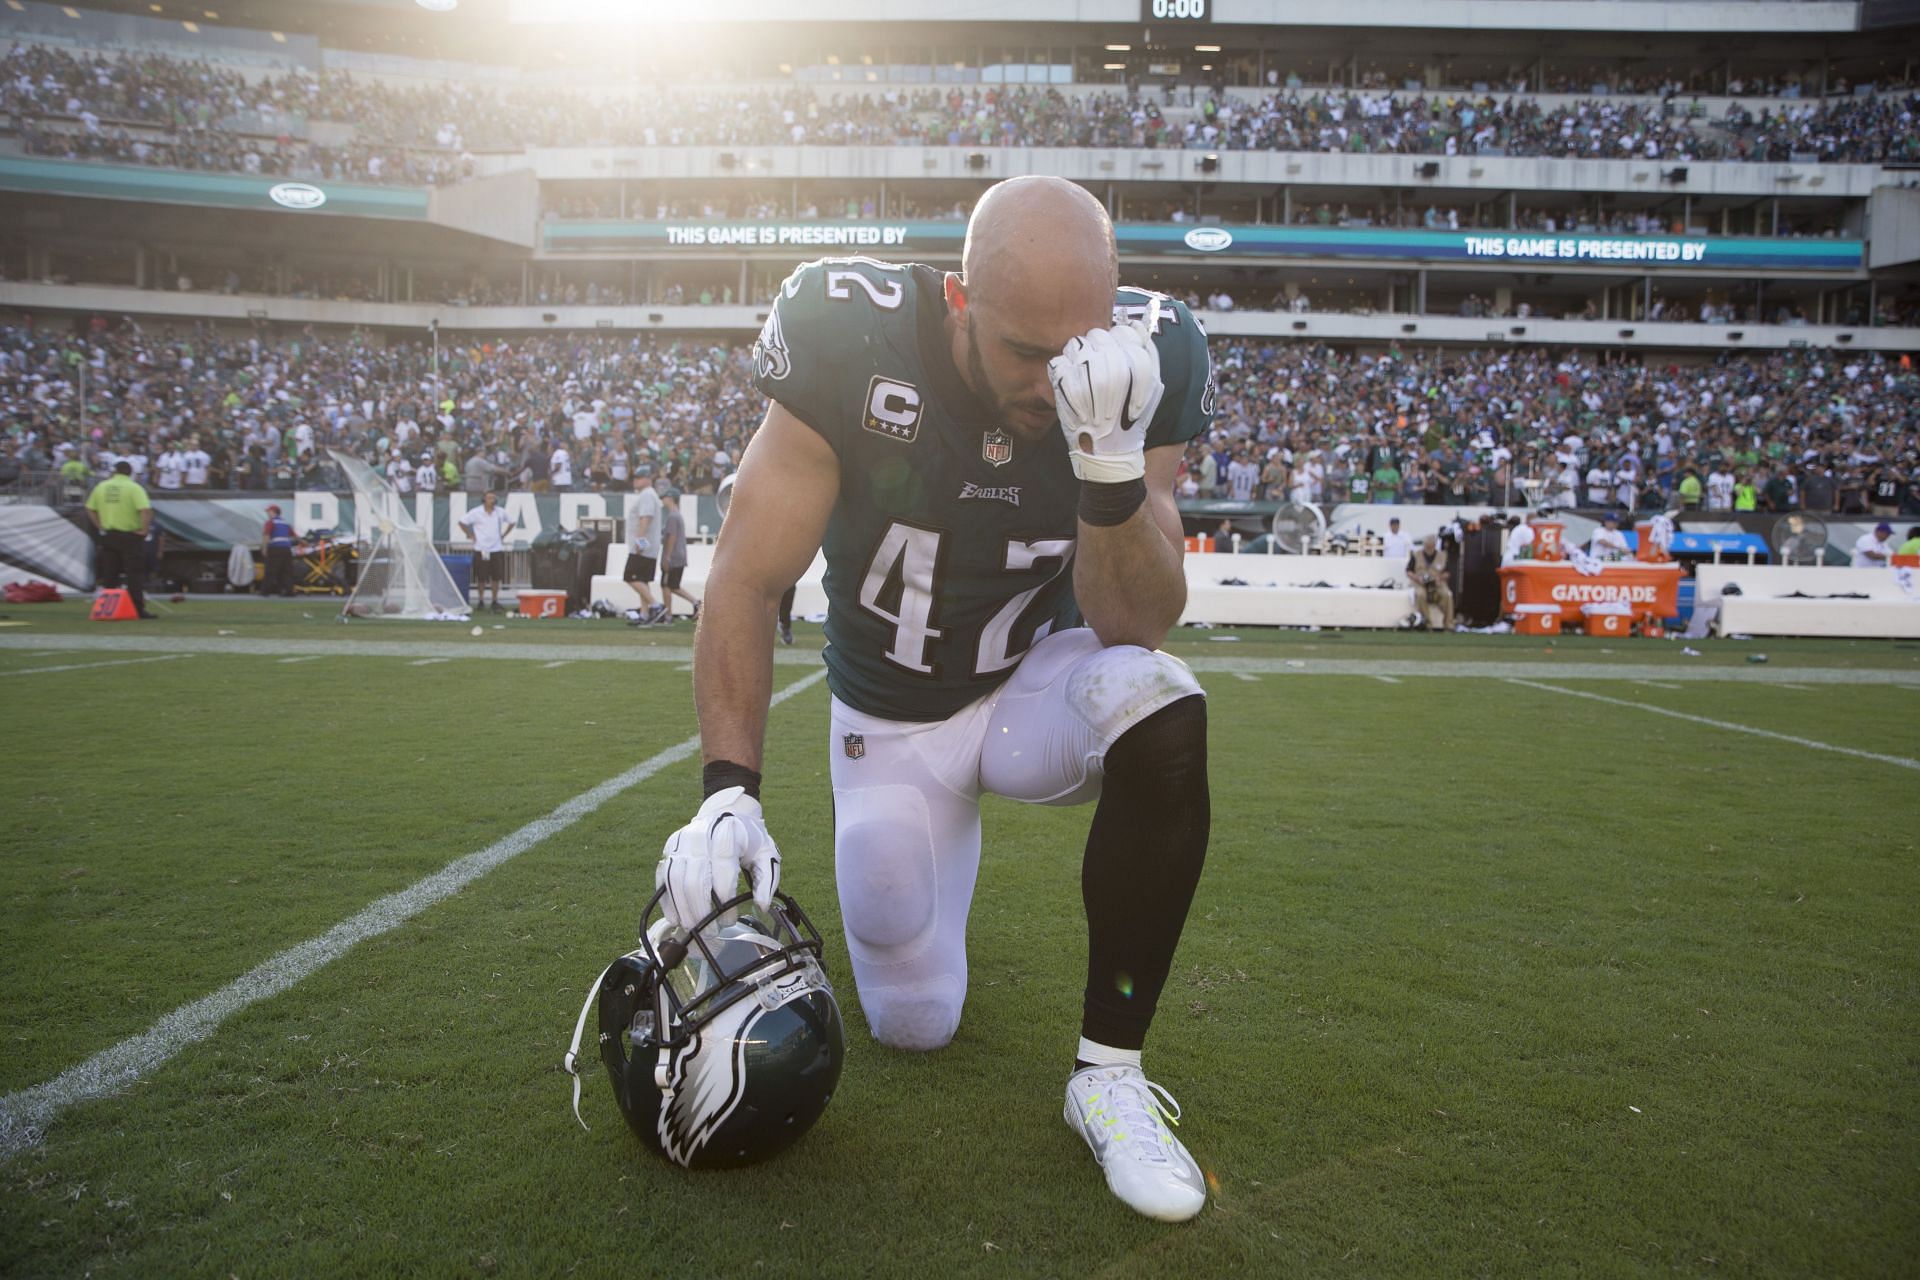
(1144, 854)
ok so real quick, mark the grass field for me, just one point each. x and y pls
(1483, 978)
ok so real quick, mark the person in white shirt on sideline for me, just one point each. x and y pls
(1608, 543)
(1396, 544)
(488, 527)
(1874, 550)
(1518, 544)
(643, 545)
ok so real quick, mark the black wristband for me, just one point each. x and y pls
(1111, 504)
(718, 775)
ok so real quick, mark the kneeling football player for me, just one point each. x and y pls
(987, 460)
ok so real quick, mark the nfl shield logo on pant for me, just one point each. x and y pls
(855, 744)
(997, 447)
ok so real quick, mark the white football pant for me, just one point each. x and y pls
(907, 811)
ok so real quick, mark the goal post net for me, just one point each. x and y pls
(401, 576)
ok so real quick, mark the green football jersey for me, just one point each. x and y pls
(949, 549)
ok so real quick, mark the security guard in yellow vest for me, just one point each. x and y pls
(122, 514)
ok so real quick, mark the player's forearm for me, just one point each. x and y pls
(1128, 581)
(733, 671)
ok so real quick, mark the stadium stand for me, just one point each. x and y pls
(95, 106)
(1461, 427)
(1463, 268)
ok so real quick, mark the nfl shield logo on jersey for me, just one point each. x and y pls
(855, 744)
(997, 448)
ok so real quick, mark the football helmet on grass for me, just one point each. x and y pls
(723, 1043)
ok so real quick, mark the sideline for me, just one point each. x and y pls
(25, 1115)
(87, 666)
(1901, 761)
(494, 648)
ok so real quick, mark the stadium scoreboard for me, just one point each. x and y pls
(1183, 12)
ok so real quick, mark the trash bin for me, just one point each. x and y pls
(460, 569)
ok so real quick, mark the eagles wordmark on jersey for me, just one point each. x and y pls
(948, 548)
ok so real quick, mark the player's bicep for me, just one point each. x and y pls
(1163, 467)
(788, 481)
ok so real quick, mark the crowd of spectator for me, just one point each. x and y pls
(263, 409)
(151, 109)
(751, 206)
(1851, 130)
(1794, 429)
(1785, 431)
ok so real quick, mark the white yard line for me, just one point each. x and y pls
(429, 662)
(1388, 679)
(1248, 677)
(496, 647)
(1801, 687)
(1657, 684)
(549, 666)
(310, 657)
(1901, 761)
(25, 1115)
(87, 666)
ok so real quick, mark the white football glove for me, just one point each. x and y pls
(1106, 386)
(700, 867)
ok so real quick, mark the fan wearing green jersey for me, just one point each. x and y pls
(987, 461)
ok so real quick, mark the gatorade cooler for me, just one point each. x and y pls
(1644, 550)
(1536, 620)
(1199, 544)
(1608, 618)
(1547, 541)
(543, 604)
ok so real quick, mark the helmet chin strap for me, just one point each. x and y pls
(572, 1061)
(672, 950)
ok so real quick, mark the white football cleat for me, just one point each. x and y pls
(1121, 1115)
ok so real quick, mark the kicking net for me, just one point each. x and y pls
(402, 576)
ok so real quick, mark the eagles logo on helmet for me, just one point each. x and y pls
(723, 1044)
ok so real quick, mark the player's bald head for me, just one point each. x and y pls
(1039, 269)
(1037, 238)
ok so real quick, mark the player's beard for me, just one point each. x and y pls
(1003, 409)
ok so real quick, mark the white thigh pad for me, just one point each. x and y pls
(1068, 701)
(1118, 687)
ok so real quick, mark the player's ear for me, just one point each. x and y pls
(956, 292)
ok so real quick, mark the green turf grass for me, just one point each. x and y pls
(1481, 979)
